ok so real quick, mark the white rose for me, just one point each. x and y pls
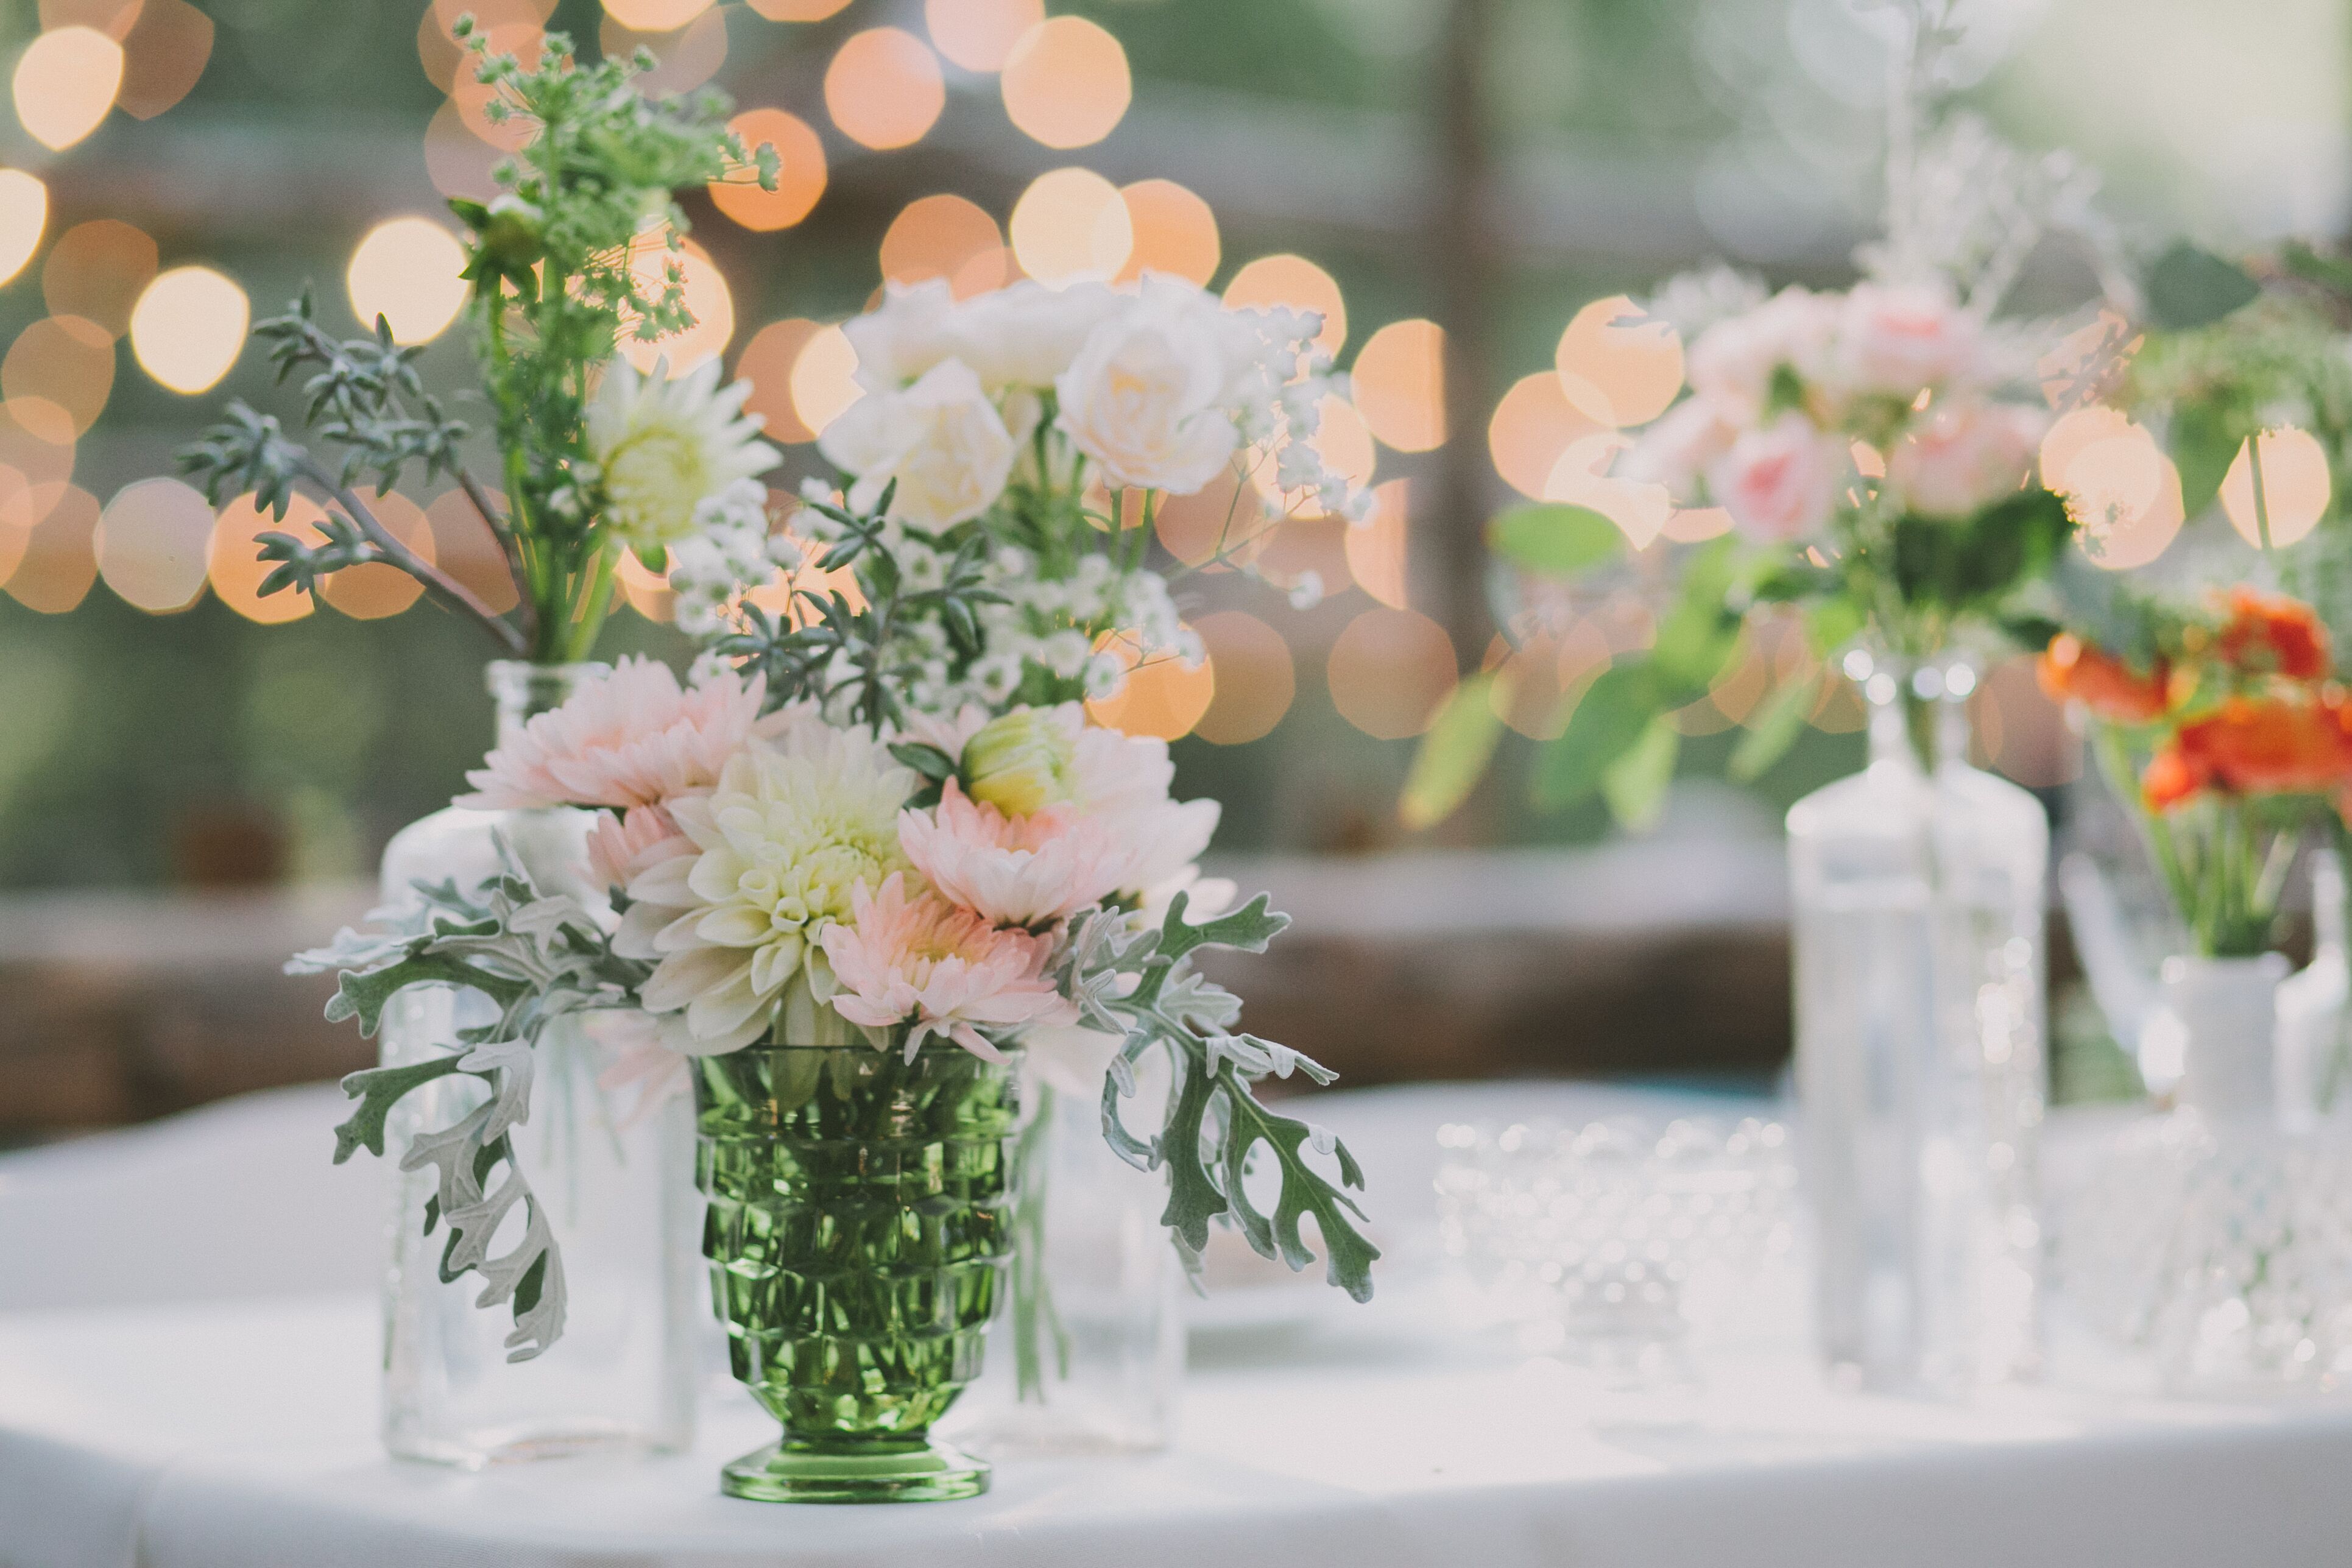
(1780, 482)
(1732, 362)
(1148, 396)
(1026, 335)
(900, 338)
(943, 440)
(1967, 455)
(1901, 338)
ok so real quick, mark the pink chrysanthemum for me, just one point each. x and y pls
(621, 849)
(937, 969)
(1016, 870)
(633, 738)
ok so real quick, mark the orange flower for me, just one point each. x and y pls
(2072, 670)
(2272, 634)
(2171, 779)
(2269, 746)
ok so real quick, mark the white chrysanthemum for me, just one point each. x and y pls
(664, 447)
(783, 840)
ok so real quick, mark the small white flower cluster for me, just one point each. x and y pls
(728, 550)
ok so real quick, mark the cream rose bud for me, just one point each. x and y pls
(900, 338)
(1026, 335)
(1967, 455)
(1022, 762)
(1145, 398)
(1901, 338)
(941, 440)
(1779, 482)
(1732, 362)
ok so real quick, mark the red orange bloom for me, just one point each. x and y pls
(2171, 779)
(2073, 670)
(2273, 635)
(2252, 745)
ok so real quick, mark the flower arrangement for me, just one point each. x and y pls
(593, 459)
(877, 817)
(2227, 730)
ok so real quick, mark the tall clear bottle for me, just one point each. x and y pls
(1917, 889)
(617, 1181)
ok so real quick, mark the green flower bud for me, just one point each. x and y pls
(1019, 764)
(510, 236)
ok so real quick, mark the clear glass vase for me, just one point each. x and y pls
(1089, 1356)
(860, 1223)
(1917, 894)
(616, 1179)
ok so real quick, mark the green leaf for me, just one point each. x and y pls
(1967, 564)
(378, 1090)
(1453, 755)
(1555, 537)
(2191, 287)
(928, 761)
(1245, 929)
(1634, 785)
(1608, 722)
(1774, 728)
(364, 995)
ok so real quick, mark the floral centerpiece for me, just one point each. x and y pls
(844, 875)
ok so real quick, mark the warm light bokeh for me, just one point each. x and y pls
(1175, 232)
(684, 58)
(1071, 224)
(466, 549)
(2124, 493)
(1162, 696)
(824, 378)
(654, 15)
(939, 236)
(65, 81)
(164, 50)
(2295, 493)
(1618, 365)
(979, 35)
(153, 543)
(96, 271)
(1065, 83)
(800, 172)
(767, 363)
(376, 590)
(236, 568)
(1531, 429)
(1297, 282)
(1399, 385)
(23, 215)
(796, 10)
(407, 269)
(65, 359)
(1377, 547)
(707, 299)
(1640, 509)
(1391, 670)
(1254, 678)
(188, 327)
(59, 560)
(884, 88)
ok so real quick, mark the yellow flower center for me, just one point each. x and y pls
(653, 478)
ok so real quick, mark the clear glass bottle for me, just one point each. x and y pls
(617, 1181)
(2313, 1007)
(1089, 1355)
(1917, 894)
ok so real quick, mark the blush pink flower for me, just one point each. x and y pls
(937, 969)
(1901, 338)
(1016, 870)
(623, 847)
(1780, 482)
(631, 738)
(1679, 444)
(1967, 455)
(1733, 362)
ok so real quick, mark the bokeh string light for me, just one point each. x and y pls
(655, 15)
(943, 236)
(1065, 83)
(233, 563)
(154, 545)
(1175, 232)
(1391, 671)
(1298, 283)
(58, 561)
(684, 58)
(1163, 697)
(796, 10)
(375, 589)
(64, 84)
(767, 363)
(707, 299)
(1070, 225)
(884, 88)
(467, 551)
(2294, 488)
(824, 378)
(1399, 385)
(979, 35)
(23, 216)
(1618, 365)
(1254, 682)
(97, 270)
(800, 172)
(65, 360)
(407, 269)
(1531, 429)
(164, 51)
(188, 327)
(1377, 548)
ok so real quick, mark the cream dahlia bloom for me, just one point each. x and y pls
(664, 447)
(1016, 870)
(784, 840)
(943, 441)
(937, 969)
(633, 737)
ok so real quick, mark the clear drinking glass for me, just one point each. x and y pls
(1917, 896)
(1088, 1357)
(617, 1183)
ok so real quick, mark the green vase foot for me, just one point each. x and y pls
(929, 1472)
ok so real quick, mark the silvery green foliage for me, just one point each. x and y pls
(1141, 984)
(538, 960)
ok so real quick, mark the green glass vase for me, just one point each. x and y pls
(859, 1227)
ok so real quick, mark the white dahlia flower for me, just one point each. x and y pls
(664, 447)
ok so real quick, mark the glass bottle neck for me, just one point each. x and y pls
(1918, 709)
(2327, 902)
(522, 690)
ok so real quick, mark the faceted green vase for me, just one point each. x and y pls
(859, 1229)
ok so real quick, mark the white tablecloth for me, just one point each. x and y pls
(231, 1432)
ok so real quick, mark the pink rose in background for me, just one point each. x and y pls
(1967, 455)
(1017, 870)
(1779, 483)
(943, 970)
(1901, 338)
(1732, 361)
(1679, 445)
(631, 738)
